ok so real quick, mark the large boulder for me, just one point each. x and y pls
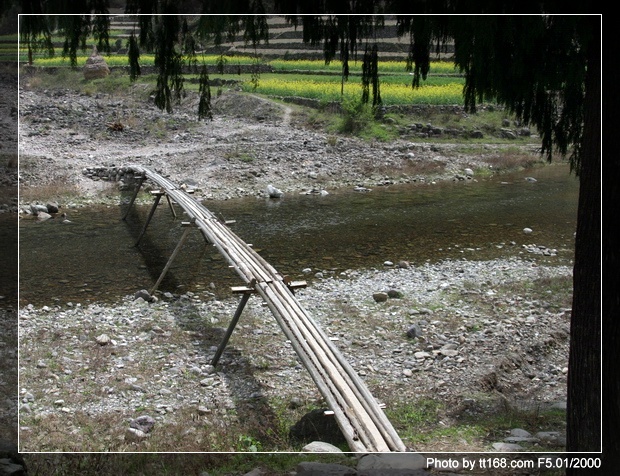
(95, 66)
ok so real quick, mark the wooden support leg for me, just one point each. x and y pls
(148, 220)
(172, 257)
(231, 327)
(171, 207)
(133, 198)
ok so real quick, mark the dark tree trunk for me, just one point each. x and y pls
(584, 380)
(611, 298)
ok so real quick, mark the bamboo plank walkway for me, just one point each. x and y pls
(359, 416)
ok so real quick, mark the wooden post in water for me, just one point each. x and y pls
(171, 207)
(148, 220)
(142, 178)
(173, 255)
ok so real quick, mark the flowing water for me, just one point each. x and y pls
(94, 258)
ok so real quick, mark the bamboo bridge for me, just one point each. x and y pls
(359, 416)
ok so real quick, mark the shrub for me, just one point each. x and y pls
(355, 116)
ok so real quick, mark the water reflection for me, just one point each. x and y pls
(94, 257)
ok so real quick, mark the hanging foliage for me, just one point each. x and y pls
(168, 61)
(146, 11)
(204, 104)
(188, 45)
(255, 77)
(101, 24)
(133, 53)
(370, 76)
(35, 30)
(422, 35)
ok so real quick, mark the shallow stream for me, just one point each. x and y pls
(94, 258)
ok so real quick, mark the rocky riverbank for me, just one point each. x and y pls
(475, 337)
(252, 142)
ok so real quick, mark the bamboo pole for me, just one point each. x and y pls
(334, 400)
(133, 197)
(368, 401)
(367, 431)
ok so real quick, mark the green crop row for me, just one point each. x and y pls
(355, 67)
(385, 67)
(330, 91)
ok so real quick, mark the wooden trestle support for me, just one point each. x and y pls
(359, 416)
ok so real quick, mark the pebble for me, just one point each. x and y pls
(103, 339)
(507, 447)
(320, 447)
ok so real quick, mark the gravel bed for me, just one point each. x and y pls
(477, 344)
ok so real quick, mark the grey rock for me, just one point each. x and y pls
(414, 331)
(553, 438)
(103, 339)
(320, 447)
(295, 402)
(311, 468)
(448, 352)
(520, 439)
(274, 192)
(507, 134)
(559, 405)
(254, 472)
(144, 294)
(380, 297)
(135, 434)
(8, 468)
(412, 464)
(506, 447)
(36, 208)
(143, 423)
(520, 433)
(11, 461)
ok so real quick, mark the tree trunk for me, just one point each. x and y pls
(584, 379)
(611, 304)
